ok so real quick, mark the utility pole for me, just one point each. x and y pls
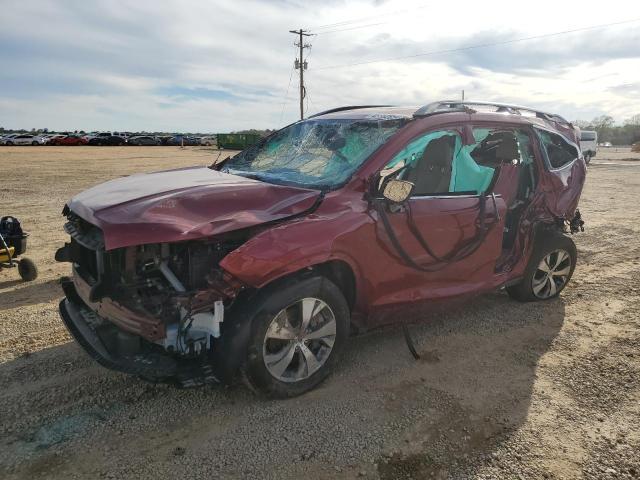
(301, 64)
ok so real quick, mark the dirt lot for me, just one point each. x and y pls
(503, 390)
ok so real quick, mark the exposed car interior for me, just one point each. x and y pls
(500, 161)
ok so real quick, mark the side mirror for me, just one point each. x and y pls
(397, 191)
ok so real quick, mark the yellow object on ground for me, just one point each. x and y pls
(3, 254)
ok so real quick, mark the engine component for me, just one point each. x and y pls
(192, 335)
(171, 277)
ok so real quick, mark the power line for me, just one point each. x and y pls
(286, 95)
(351, 28)
(482, 45)
(364, 19)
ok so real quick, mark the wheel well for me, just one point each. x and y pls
(340, 273)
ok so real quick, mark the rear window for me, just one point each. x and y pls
(559, 151)
(587, 136)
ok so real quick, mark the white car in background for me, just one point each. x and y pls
(588, 144)
(5, 138)
(25, 139)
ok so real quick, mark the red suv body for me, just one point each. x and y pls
(351, 219)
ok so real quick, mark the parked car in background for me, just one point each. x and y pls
(25, 139)
(348, 220)
(51, 136)
(124, 135)
(143, 140)
(6, 138)
(72, 139)
(588, 144)
(185, 140)
(107, 138)
(208, 141)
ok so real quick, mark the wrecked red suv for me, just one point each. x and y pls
(267, 261)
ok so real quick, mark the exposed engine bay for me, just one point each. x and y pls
(170, 297)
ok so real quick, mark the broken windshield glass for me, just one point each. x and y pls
(319, 153)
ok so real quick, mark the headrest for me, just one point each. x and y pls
(507, 150)
(438, 152)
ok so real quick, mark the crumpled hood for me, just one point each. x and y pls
(184, 204)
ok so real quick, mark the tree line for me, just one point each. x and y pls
(626, 134)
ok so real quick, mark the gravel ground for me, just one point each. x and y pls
(503, 390)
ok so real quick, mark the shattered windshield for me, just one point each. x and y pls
(321, 153)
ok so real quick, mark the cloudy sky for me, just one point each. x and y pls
(214, 65)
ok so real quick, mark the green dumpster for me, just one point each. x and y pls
(237, 141)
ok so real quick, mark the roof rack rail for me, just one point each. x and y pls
(448, 106)
(351, 107)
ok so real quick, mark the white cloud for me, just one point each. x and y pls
(220, 66)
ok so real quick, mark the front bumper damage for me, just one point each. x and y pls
(155, 311)
(95, 335)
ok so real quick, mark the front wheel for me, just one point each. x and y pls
(27, 269)
(297, 335)
(549, 270)
(587, 158)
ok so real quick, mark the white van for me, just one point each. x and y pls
(588, 142)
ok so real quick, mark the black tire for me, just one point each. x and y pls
(266, 308)
(587, 159)
(548, 244)
(34, 143)
(27, 269)
(9, 144)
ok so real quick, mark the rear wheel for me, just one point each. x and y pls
(550, 269)
(297, 335)
(587, 158)
(27, 269)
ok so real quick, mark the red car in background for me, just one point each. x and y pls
(69, 140)
(344, 221)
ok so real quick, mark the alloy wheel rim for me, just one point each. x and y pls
(299, 340)
(552, 274)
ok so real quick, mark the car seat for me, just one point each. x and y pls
(432, 173)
